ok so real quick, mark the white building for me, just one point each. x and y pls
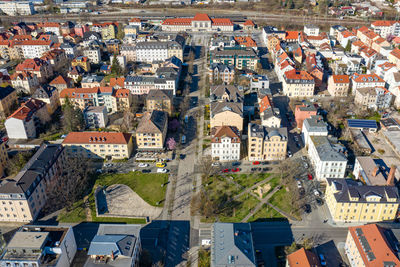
(311, 30)
(35, 48)
(365, 81)
(313, 126)
(15, 8)
(225, 143)
(93, 54)
(200, 22)
(259, 82)
(157, 51)
(96, 117)
(386, 28)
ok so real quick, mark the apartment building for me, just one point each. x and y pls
(259, 82)
(8, 98)
(226, 93)
(24, 81)
(373, 98)
(226, 113)
(152, 131)
(370, 245)
(35, 66)
(161, 100)
(37, 245)
(386, 28)
(266, 143)
(221, 72)
(270, 116)
(158, 51)
(24, 195)
(128, 51)
(48, 95)
(365, 81)
(113, 99)
(240, 58)
(105, 145)
(23, 123)
(52, 27)
(313, 126)
(82, 62)
(304, 111)
(92, 81)
(200, 22)
(15, 8)
(35, 48)
(164, 79)
(60, 83)
(56, 58)
(225, 143)
(95, 117)
(298, 84)
(93, 54)
(348, 201)
(338, 85)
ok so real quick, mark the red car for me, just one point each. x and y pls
(225, 170)
(309, 176)
(235, 170)
(256, 163)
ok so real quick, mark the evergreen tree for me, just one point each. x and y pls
(73, 117)
(115, 67)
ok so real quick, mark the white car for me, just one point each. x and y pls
(161, 170)
(289, 154)
(298, 184)
(143, 165)
(316, 192)
(215, 164)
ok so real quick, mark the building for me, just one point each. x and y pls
(240, 58)
(95, 117)
(232, 245)
(36, 245)
(311, 30)
(370, 172)
(225, 93)
(304, 111)
(24, 81)
(327, 158)
(338, 85)
(302, 258)
(35, 48)
(8, 98)
(152, 131)
(259, 82)
(23, 123)
(92, 81)
(158, 51)
(199, 23)
(82, 62)
(226, 113)
(362, 125)
(266, 143)
(350, 201)
(36, 66)
(15, 8)
(115, 245)
(313, 126)
(221, 72)
(24, 195)
(60, 83)
(161, 100)
(48, 95)
(365, 81)
(225, 143)
(369, 245)
(374, 98)
(93, 54)
(298, 84)
(270, 116)
(106, 145)
(386, 28)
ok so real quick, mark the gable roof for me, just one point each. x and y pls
(97, 137)
(225, 131)
(303, 258)
(153, 122)
(265, 103)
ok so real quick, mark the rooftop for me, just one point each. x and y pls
(97, 137)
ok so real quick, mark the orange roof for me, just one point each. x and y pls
(383, 23)
(303, 258)
(245, 41)
(396, 52)
(21, 75)
(22, 37)
(122, 93)
(367, 78)
(346, 34)
(135, 20)
(59, 80)
(379, 40)
(222, 21)
(117, 81)
(78, 92)
(178, 21)
(292, 35)
(377, 245)
(264, 104)
(396, 40)
(248, 23)
(31, 64)
(368, 52)
(201, 17)
(36, 42)
(27, 109)
(97, 138)
(298, 75)
(49, 24)
(341, 78)
(358, 43)
(81, 59)
(363, 29)
(225, 131)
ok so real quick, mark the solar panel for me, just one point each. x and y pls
(362, 123)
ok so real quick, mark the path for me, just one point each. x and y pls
(260, 204)
(284, 213)
(250, 189)
(88, 211)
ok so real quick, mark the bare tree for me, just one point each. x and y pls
(206, 167)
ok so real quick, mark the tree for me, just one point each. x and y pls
(116, 67)
(120, 32)
(173, 125)
(206, 167)
(73, 117)
(171, 143)
(16, 163)
(348, 47)
(204, 258)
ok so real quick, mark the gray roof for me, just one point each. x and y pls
(315, 124)
(152, 123)
(222, 67)
(232, 245)
(97, 109)
(32, 240)
(112, 244)
(157, 45)
(232, 92)
(235, 52)
(260, 131)
(218, 107)
(159, 95)
(269, 113)
(44, 92)
(328, 151)
(92, 78)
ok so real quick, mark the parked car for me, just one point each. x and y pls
(215, 164)
(160, 164)
(236, 163)
(309, 176)
(162, 170)
(146, 171)
(322, 260)
(182, 156)
(256, 163)
(299, 184)
(316, 192)
(225, 170)
(143, 165)
(235, 170)
(266, 169)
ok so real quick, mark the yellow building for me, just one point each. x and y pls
(298, 84)
(8, 97)
(151, 131)
(350, 202)
(226, 114)
(266, 143)
(82, 62)
(338, 85)
(159, 100)
(106, 145)
(108, 31)
(175, 49)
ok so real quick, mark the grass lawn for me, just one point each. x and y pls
(218, 185)
(265, 213)
(248, 180)
(77, 214)
(281, 200)
(242, 207)
(274, 182)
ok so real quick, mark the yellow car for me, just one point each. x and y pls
(160, 165)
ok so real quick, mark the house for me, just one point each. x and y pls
(270, 116)
(24, 81)
(92, 81)
(237, 57)
(161, 100)
(23, 123)
(225, 143)
(372, 172)
(266, 143)
(104, 145)
(371, 245)
(226, 93)
(248, 25)
(48, 95)
(298, 84)
(259, 82)
(221, 72)
(8, 98)
(30, 184)
(93, 54)
(349, 201)
(313, 126)
(40, 245)
(37, 66)
(226, 113)
(304, 111)
(116, 245)
(302, 258)
(82, 62)
(95, 117)
(75, 73)
(60, 83)
(151, 131)
(56, 58)
(374, 98)
(365, 81)
(338, 85)
(394, 57)
(232, 245)
(386, 28)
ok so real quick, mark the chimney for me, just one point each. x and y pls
(375, 171)
(390, 180)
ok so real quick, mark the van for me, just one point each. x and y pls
(160, 164)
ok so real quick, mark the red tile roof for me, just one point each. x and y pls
(367, 78)
(292, 35)
(178, 21)
(222, 22)
(122, 93)
(135, 20)
(27, 109)
(381, 23)
(248, 23)
(396, 53)
(264, 104)
(303, 258)
(31, 64)
(117, 81)
(21, 75)
(59, 80)
(97, 138)
(246, 41)
(225, 131)
(298, 75)
(341, 78)
(201, 17)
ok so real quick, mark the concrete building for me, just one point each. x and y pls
(232, 245)
(23, 196)
(240, 58)
(152, 131)
(158, 51)
(105, 145)
(93, 54)
(370, 172)
(270, 116)
(225, 143)
(348, 201)
(369, 245)
(95, 117)
(311, 30)
(373, 98)
(304, 111)
(313, 126)
(161, 100)
(15, 8)
(338, 85)
(298, 84)
(36, 245)
(199, 23)
(266, 143)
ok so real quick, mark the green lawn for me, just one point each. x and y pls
(248, 180)
(77, 214)
(218, 185)
(281, 200)
(265, 213)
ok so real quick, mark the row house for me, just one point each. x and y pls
(374, 98)
(35, 48)
(298, 84)
(129, 52)
(25, 81)
(36, 66)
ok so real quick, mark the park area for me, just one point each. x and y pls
(149, 188)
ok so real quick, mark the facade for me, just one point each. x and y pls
(60, 83)
(93, 54)
(348, 201)
(313, 126)
(35, 48)
(226, 113)
(240, 58)
(48, 95)
(374, 98)
(8, 98)
(22, 124)
(266, 143)
(95, 117)
(158, 51)
(225, 143)
(24, 195)
(82, 62)
(338, 85)
(165, 79)
(221, 72)
(368, 245)
(259, 82)
(365, 81)
(160, 100)
(232, 245)
(199, 23)
(36, 245)
(304, 111)
(106, 145)
(36, 66)
(152, 131)
(15, 8)
(298, 84)
(25, 81)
